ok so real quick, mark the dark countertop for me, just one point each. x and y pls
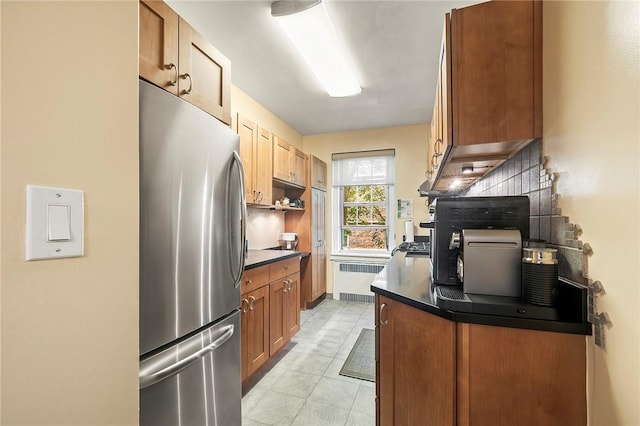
(407, 279)
(257, 258)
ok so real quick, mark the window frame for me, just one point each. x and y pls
(338, 219)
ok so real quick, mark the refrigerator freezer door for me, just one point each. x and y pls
(196, 382)
(191, 218)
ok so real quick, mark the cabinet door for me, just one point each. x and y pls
(509, 376)
(292, 305)
(318, 281)
(205, 74)
(248, 132)
(263, 165)
(298, 167)
(281, 159)
(158, 56)
(278, 333)
(494, 48)
(255, 330)
(415, 366)
(318, 173)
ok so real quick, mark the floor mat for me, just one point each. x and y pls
(361, 362)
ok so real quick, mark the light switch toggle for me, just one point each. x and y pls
(58, 222)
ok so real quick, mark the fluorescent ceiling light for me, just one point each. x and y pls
(310, 30)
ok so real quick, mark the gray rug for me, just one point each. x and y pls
(361, 362)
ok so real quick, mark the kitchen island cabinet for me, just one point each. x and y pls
(175, 57)
(471, 369)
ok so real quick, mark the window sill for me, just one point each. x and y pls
(342, 257)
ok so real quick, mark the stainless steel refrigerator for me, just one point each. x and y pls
(192, 221)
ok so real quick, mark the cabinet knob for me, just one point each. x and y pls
(248, 282)
(252, 303)
(383, 308)
(242, 308)
(175, 80)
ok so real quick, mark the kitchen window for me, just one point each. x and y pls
(363, 211)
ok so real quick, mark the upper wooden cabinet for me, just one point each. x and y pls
(289, 163)
(489, 103)
(318, 173)
(255, 153)
(176, 58)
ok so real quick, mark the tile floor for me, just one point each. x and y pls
(301, 384)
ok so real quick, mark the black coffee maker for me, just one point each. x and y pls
(453, 214)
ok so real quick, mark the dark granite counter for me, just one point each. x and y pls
(257, 258)
(407, 279)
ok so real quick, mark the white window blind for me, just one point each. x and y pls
(364, 168)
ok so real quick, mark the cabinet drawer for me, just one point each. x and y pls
(283, 268)
(254, 278)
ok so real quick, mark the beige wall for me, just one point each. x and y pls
(592, 136)
(70, 119)
(249, 108)
(410, 143)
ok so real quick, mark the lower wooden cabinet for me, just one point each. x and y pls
(433, 371)
(415, 366)
(270, 305)
(255, 330)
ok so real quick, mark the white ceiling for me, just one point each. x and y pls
(393, 45)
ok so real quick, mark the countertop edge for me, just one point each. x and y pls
(493, 320)
(270, 256)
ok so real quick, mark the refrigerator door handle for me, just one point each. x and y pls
(148, 378)
(237, 275)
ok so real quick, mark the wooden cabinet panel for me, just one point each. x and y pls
(255, 153)
(417, 366)
(277, 332)
(490, 105)
(263, 166)
(281, 162)
(493, 72)
(318, 173)
(248, 132)
(298, 167)
(173, 56)
(289, 163)
(254, 278)
(524, 377)
(205, 74)
(292, 305)
(318, 250)
(281, 269)
(255, 330)
(158, 56)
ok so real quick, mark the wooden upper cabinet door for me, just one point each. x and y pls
(299, 167)
(494, 56)
(318, 173)
(444, 97)
(263, 166)
(158, 56)
(417, 359)
(248, 132)
(205, 74)
(281, 159)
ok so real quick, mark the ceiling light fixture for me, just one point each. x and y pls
(308, 26)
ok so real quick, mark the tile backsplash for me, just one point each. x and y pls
(525, 174)
(263, 227)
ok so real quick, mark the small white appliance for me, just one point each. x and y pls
(288, 240)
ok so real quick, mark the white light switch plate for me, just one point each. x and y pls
(46, 234)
